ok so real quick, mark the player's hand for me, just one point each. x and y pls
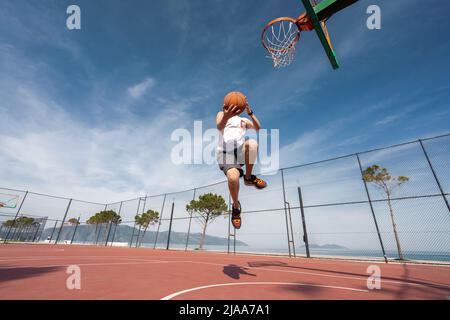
(231, 111)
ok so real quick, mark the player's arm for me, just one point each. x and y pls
(225, 115)
(254, 123)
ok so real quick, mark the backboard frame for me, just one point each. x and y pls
(321, 29)
(10, 201)
(279, 39)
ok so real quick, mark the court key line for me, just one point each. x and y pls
(173, 295)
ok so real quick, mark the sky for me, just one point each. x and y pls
(89, 113)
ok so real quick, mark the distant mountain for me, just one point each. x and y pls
(123, 233)
(325, 246)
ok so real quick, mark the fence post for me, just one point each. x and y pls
(20, 233)
(13, 237)
(37, 230)
(63, 221)
(285, 213)
(371, 208)
(75, 231)
(170, 226)
(229, 223)
(190, 221)
(109, 232)
(53, 231)
(234, 239)
(44, 222)
(116, 225)
(145, 230)
(159, 223)
(135, 223)
(15, 217)
(132, 234)
(292, 230)
(305, 233)
(434, 174)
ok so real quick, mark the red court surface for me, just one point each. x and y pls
(39, 272)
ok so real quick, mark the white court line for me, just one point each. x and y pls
(173, 295)
(31, 258)
(86, 264)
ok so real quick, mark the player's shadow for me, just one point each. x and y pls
(312, 290)
(235, 271)
(11, 274)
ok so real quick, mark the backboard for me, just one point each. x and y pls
(280, 36)
(9, 200)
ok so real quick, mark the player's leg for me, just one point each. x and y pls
(233, 176)
(250, 154)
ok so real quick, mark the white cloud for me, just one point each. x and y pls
(46, 148)
(141, 88)
(388, 119)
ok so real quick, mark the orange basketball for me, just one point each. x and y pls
(235, 98)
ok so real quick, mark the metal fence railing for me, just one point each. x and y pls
(319, 209)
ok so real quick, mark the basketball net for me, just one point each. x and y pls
(281, 40)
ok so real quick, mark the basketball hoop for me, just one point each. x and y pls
(280, 38)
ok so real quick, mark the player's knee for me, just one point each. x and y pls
(252, 144)
(233, 175)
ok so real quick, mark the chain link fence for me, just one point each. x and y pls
(320, 209)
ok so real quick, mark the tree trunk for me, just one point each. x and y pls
(95, 233)
(106, 232)
(202, 239)
(394, 226)
(114, 234)
(98, 234)
(137, 238)
(143, 235)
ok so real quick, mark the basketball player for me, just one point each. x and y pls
(233, 151)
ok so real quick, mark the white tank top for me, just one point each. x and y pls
(233, 135)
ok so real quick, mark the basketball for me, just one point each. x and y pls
(235, 98)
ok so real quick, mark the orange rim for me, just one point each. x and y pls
(303, 23)
(271, 23)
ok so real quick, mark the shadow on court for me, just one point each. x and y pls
(235, 271)
(18, 273)
(405, 277)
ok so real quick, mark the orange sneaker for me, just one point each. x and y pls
(255, 181)
(236, 217)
